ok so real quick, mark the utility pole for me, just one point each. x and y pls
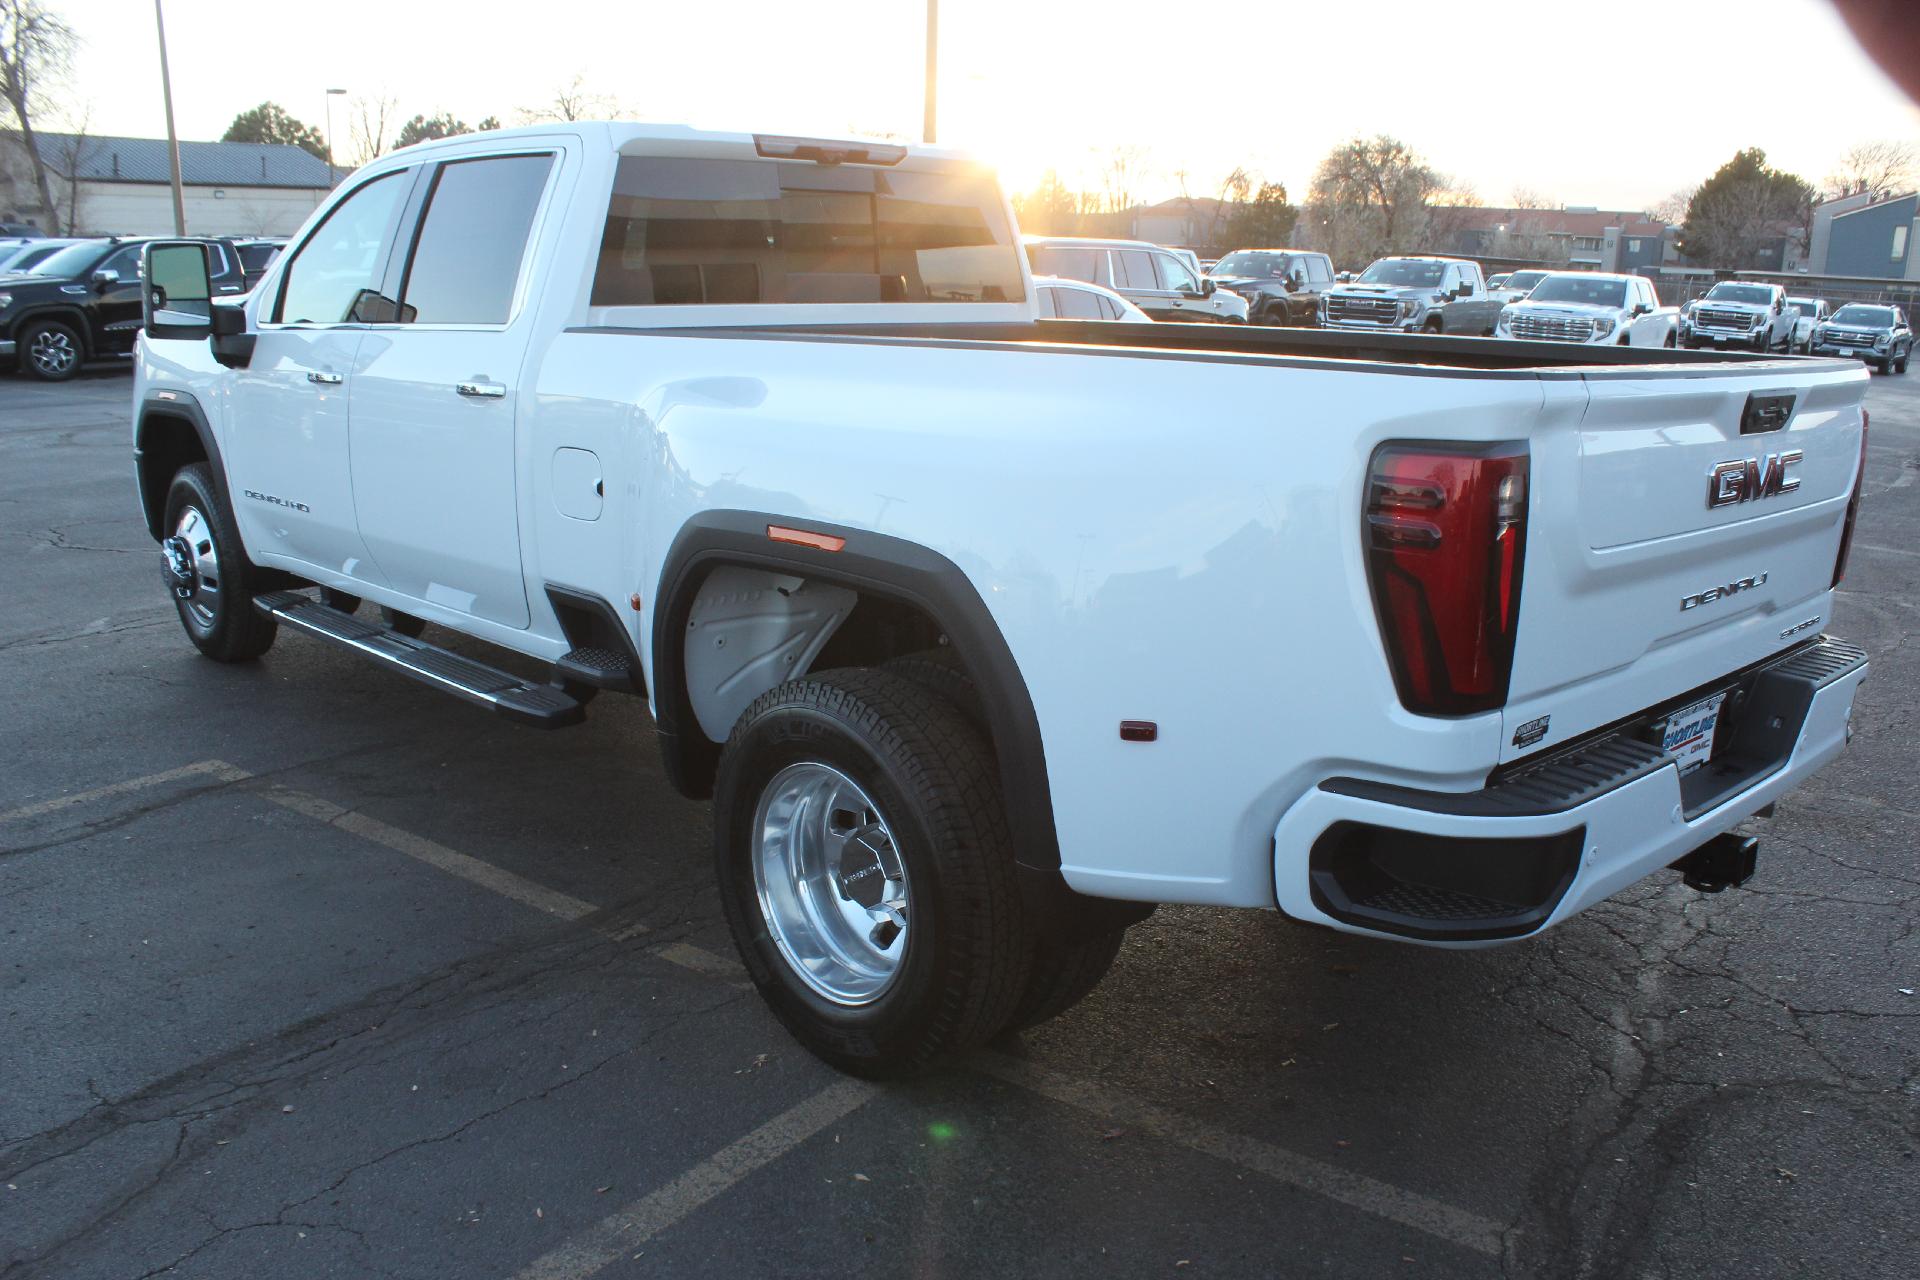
(933, 66)
(332, 177)
(173, 140)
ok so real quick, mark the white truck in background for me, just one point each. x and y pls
(986, 634)
(1592, 306)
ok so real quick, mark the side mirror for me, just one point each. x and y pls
(1641, 309)
(1207, 287)
(176, 304)
(1295, 282)
(1465, 290)
(104, 280)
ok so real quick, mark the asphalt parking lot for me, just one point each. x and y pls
(306, 970)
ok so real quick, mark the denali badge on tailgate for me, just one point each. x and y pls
(1745, 479)
(1721, 592)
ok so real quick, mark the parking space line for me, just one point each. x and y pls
(638, 1222)
(700, 960)
(1381, 1199)
(218, 769)
(433, 853)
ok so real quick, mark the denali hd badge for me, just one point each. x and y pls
(1711, 594)
(1747, 479)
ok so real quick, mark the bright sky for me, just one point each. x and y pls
(1202, 86)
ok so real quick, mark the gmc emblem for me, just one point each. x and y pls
(1749, 479)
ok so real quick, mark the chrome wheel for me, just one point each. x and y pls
(53, 352)
(193, 569)
(832, 886)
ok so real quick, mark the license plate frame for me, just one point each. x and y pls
(1688, 733)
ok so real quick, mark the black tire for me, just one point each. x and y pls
(933, 779)
(405, 623)
(1062, 974)
(1673, 340)
(218, 616)
(334, 598)
(1900, 365)
(1435, 324)
(50, 350)
(938, 671)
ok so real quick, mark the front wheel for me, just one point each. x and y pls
(866, 870)
(51, 350)
(206, 572)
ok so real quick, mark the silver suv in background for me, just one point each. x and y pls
(1154, 279)
(1416, 294)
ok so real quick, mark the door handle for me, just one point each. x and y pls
(481, 390)
(326, 379)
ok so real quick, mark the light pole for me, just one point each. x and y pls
(331, 95)
(933, 66)
(173, 140)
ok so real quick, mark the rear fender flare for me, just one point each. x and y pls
(869, 563)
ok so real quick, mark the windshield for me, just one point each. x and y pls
(1754, 293)
(1403, 271)
(1525, 280)
(1581, 289)
(1260, 266)
(1877, 317)
(70, 261)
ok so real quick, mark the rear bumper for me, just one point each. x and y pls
(1554, 836)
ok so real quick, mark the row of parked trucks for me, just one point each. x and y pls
(1445, 295)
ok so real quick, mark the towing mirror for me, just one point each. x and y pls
(177, 301)
(1207, 286)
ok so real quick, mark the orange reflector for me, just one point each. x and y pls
(1139, 731)
(805, 538)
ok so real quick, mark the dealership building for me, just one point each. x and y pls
(122, 186)
(1874, 239)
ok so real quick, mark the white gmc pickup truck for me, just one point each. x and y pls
(986, 633)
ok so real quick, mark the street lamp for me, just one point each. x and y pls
(332, 177)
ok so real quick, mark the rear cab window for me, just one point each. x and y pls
(686, 231)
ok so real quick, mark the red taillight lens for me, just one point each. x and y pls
(1446, 537)
(1853, 506)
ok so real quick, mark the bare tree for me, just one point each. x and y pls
(1673, 209)
(1528, 198)
(67, 156)
(1878, 168)
(36, 57)
(1372, 197)
(369, 122)
(1125, 168)
(573, 101)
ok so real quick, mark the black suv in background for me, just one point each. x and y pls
(1281, 286)
(83, 303)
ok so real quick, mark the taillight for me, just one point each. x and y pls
(1446, 537)
(1853, 506)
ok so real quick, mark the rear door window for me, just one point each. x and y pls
(1078, 304)
(466, 261)
(685, 231)
(1133, 269)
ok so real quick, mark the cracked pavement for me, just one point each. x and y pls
(238, 1041)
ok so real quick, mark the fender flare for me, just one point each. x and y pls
(65, 312)
(153, 496)
(875, 564)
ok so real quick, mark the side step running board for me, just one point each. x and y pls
(539, 705)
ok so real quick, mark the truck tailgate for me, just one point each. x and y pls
(1639, 584)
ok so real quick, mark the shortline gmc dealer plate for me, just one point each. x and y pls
(1688, 733)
